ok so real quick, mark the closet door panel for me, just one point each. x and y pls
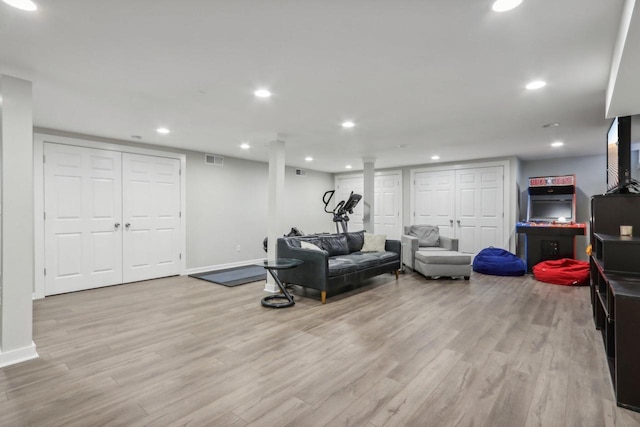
(387, 206)
(83, 208)
(434, 198)
(151, 211)
(479, 204)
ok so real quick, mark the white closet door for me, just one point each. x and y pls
(387, 205)
(434, 200)
(479, 208)
(344, 187)
(151, 215)
(83, 237)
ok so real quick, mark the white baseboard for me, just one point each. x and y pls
(20, 355)
(271, 288)
(223, 266)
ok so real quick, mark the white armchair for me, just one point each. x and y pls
(423, 238)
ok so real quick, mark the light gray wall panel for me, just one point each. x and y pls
(303, 201)
(227, 208)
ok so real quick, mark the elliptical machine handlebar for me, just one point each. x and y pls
(341, 209)
(326, 200)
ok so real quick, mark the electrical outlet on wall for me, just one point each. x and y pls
(238, 248)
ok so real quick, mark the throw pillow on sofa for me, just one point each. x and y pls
(374, 242)
(307, 245)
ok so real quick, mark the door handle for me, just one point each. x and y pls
(451, 222)
(458, 221)
(127, 225)
(116, 225)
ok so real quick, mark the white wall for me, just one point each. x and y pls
(591, 179)
(227, 207)
(16, 153)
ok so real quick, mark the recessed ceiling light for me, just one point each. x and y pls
(435, 157)
(536, 84)
(27, 5)
(245, 146)
(557, 144)
(348, 167)
(308, 159)
(551, 125)
(402, 145)
(262, 93)
(504, 5)
(163, 131)
(348, 124)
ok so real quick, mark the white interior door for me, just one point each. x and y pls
(344, 187)
(151, 214)
(83, 208)
(434, 200)
(479, 208)
(387, 205)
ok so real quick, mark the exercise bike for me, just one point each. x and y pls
(339, 213)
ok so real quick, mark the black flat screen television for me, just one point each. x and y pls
(619, 153)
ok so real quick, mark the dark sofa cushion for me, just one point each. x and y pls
(355, 240)
(339, 266)
(335, 244)
(363, 259)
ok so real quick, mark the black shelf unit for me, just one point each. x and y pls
(615, 291)
(618, 254)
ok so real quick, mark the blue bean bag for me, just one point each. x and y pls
(498, 262)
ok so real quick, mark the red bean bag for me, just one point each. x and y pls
(563, 271)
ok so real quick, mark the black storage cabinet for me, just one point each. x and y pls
(615, 290)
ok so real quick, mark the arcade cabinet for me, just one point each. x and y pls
(550, 229)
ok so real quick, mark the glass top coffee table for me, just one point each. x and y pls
(272, 266)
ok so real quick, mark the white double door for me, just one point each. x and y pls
(110, 217)
(387, 202)
(467, 204)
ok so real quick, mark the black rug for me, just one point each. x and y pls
(234, 276)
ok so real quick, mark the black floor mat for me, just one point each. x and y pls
(234, 276)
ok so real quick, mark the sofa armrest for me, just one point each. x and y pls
(449, 243)
(393, 246)
(409, 248)
(313, 273)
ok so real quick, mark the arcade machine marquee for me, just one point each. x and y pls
(550, 228)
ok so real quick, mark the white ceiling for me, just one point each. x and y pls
(436, 76)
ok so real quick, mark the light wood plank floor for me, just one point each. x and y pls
(179, 351)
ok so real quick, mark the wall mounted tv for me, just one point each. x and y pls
(619, 153)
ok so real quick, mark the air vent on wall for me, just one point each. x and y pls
(301, 172)
(214, 159)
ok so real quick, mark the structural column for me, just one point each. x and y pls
(16, 151)
(369, 194)
(275, 204)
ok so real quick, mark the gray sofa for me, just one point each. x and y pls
(340, 263)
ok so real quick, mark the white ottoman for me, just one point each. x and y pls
(443, 263)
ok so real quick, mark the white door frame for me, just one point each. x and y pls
(378, 173)
(38, 173)
(509, 222)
